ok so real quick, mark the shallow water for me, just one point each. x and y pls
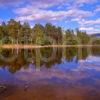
(50, 74)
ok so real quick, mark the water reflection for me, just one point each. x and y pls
(14, 60)
(50, 73)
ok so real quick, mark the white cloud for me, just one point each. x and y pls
(97, 9)
(89, 22)
(90, 26)
(86, 28)
(31, 13)
(85, 1)
(84, 22)
(90, 30)
(37, 10)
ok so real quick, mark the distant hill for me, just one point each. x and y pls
(96, 35)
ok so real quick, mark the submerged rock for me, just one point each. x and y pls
(2, 89)
(26, 87)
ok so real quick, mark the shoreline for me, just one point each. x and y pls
(16, 46)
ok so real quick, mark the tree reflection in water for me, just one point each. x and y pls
(14, 60)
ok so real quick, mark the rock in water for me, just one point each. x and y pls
(2, 89)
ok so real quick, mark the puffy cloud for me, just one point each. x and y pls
(89, 22)
(45, 3)
(85, 1)
(90, 30)
(30, 13)
(48, 3)
(90, 26)
(37, 10)
(38, 14)
(35, 3)
(84, 22)
(97, 9)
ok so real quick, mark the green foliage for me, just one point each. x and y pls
(70, 37)
(96, 41)
(16, 33)
(38, 34)
(54, 32)
(83, 37)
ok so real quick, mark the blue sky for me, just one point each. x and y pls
(82, 14)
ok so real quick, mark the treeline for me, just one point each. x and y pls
(14, 32)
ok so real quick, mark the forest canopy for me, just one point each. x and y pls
(13, 32)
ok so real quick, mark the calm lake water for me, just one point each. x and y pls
(50, 74)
